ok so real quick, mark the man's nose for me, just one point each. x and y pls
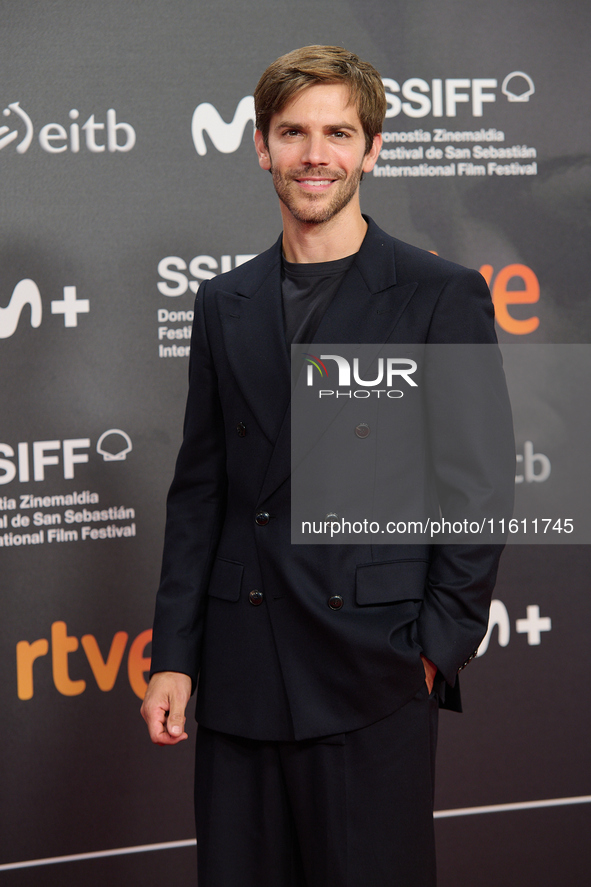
(315, 151)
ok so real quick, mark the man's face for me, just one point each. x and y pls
(316, 152)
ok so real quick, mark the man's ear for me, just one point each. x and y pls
(372, 155)
(262, 150)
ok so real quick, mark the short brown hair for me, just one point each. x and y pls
(310, 65)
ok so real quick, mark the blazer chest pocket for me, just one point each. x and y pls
(226, 580)
(390, 582)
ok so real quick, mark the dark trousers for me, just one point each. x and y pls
(350, 810)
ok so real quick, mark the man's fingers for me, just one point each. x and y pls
(156, 718)
(175, 722)
(430, 672)
(163, 708)
(160, 730)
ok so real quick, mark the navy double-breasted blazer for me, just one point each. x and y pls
(281, 663)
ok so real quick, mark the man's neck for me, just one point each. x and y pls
(322, 242)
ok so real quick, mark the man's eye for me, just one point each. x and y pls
(341, 135)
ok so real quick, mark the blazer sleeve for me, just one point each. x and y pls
(473, 458)
(195, 511)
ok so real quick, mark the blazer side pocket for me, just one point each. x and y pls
(390, 582)
(226, 580)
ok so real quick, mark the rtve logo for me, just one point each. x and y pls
(105, 671)
(26, 293)
(438, 97)
(54, 138)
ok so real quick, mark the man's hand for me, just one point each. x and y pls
(163, 708)
(430, 672)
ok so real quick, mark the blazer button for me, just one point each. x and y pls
(335, 602)
(241, 429)
(255, 597)
(262, 518)
(362, 430)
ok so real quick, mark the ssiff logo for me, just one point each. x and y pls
(439, 97)
(113, 445)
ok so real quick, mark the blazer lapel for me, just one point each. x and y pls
(253, 328)
(365, 310)
(368, 304)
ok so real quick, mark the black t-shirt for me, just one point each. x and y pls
(307, 291)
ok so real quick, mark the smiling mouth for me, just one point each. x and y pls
(315, 182)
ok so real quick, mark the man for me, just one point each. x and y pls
(320, 667)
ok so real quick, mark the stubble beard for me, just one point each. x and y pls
(310, 209)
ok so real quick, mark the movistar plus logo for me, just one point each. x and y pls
(226, 137)
(26, 292)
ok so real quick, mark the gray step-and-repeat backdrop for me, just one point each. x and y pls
(128, 176)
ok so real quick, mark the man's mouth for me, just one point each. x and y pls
(315, 183)
(316, 179)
